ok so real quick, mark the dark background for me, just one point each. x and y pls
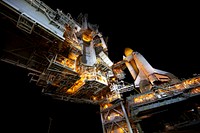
(166, 34)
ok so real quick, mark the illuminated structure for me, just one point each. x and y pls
(69, 60)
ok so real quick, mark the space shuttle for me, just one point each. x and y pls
(144, 75)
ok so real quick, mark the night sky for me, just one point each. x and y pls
(166, 34)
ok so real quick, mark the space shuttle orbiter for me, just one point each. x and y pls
(144, 75)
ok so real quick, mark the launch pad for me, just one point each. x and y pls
(69, 60)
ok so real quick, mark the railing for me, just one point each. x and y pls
(56, 17)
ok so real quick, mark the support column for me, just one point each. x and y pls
(114, 118)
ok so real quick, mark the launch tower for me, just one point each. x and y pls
(69, 60)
